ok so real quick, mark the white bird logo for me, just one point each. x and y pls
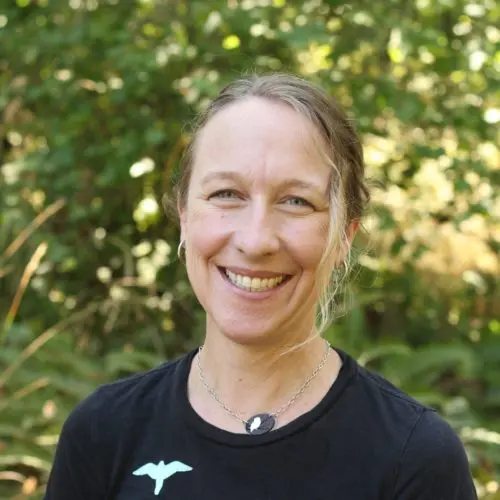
(255, 424)
(161, 472)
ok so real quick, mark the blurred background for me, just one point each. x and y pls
(96, 99)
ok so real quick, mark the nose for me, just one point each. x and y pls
(256, 235)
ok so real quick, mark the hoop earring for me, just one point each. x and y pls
(182, 245)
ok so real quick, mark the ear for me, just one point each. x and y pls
(352, 230)
(350, 233)
(181, 210)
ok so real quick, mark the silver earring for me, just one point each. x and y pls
(182, 245)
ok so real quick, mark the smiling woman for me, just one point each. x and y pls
(270, 198)
(258, 188)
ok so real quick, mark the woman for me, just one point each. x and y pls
(270, 199)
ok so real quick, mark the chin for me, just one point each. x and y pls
(247, 332)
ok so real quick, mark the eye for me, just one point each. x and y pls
(298, 202)
(224, 194)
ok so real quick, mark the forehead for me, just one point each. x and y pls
(256, 134)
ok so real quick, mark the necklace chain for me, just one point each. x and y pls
(282, 408)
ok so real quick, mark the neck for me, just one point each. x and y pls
(251, 379)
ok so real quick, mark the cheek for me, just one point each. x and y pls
(206, 232)
(307, 242)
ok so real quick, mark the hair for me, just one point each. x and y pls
(348, 190)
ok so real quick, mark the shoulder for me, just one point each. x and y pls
(387, 392)
(392, 413)
(434, 463)
(429, 459)
(428, 432)
(433, 440)
(98, 434)
(113, 403)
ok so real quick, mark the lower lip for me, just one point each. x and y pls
(264, 294)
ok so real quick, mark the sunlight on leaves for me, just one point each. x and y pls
(231, 42)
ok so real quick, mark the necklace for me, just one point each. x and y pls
(262, 423)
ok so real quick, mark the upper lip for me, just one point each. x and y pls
(252, 273)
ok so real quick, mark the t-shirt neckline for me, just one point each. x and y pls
(214, 433)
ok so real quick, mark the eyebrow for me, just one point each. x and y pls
(236, 176)
(213, 176)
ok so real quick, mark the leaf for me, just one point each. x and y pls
(383, 351)
(426, 364)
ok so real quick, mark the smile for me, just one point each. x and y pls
(254, 284)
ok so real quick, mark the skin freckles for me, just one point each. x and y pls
(257, 202)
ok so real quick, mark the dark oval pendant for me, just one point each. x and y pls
(260, 424)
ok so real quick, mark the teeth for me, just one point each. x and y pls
(254, 284)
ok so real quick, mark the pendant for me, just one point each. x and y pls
(260, 424)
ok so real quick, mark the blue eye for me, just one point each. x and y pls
(297, 202)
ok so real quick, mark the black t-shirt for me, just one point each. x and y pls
(139, 438)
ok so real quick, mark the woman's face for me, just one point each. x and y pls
(256, 221)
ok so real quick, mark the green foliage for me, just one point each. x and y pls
(96, 99)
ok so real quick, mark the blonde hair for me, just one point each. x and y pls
(349, 193)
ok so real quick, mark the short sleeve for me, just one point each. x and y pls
(434, 464)
(76, 473)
